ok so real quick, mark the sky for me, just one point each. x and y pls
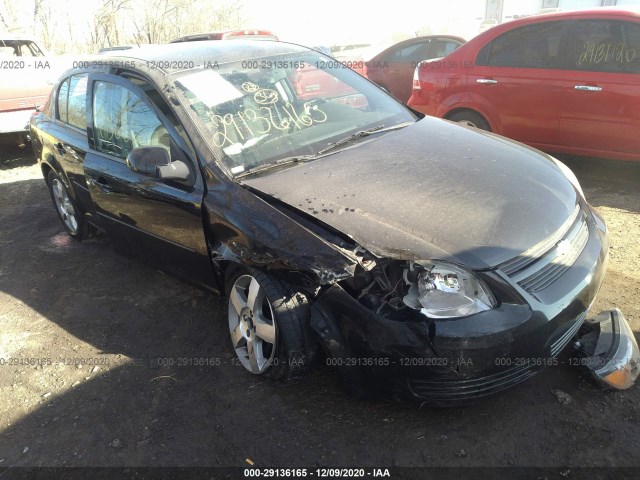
(357, 21)
(331, 22)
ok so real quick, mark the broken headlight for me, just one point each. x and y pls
(443, 290)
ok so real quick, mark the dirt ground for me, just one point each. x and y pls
(86, 327)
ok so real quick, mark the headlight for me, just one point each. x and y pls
(447, 291)
(566, 171)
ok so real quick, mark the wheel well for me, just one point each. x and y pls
(46, 168)
(460, 110)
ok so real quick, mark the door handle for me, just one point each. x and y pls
(487, 81)
(101, 184)
(588, 88)
(60, 148)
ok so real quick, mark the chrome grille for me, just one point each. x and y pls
(539, 267)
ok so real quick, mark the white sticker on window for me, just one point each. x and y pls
(210, 87)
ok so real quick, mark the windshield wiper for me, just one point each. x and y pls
(361, 134)
(321, 153)
(277, 163)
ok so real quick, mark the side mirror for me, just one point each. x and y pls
(155, 161)
(177, 170)
(145, 160)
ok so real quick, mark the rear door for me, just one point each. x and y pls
(159, 221)
(67, 137)
(517, 82)
(601, 101)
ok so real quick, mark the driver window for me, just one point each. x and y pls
(123, 121)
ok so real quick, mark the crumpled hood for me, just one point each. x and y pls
(433, 190)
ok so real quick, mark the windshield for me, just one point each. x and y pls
(263, 110)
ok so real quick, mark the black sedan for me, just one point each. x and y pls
(423, 259)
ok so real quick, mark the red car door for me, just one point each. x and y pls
(517, 82)
(601, 103)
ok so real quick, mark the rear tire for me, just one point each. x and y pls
(269, 326)
(69, 214)
(471, 119)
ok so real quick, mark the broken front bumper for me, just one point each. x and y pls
(609, 349)
(456, 361)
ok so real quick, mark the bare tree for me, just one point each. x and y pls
(158, 20)
(104, 28)
(162, 20)
(44, 22)
(9, 17)
(115, 22)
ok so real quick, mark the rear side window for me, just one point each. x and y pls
(442, 48)
(607, 46)
(63, 98)
(410, 53)
(532, 46)
(72, 101)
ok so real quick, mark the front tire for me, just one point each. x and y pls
(269, 326)
(68, 212)
(471, 119)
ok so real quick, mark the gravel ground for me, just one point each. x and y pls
(96, 318)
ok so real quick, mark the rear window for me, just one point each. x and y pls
(607, 46)
(531, 46)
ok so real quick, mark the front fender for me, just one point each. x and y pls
(245, 229)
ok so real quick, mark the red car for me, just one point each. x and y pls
(229, 35)
(565, 82)
(393, 68)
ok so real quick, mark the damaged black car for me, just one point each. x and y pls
(422, 259)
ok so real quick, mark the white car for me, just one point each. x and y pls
(26, 80)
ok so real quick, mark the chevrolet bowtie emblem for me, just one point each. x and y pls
(563, 247)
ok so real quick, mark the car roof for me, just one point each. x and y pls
(170, 58)
(13, 36)
(589, 12)
(594, 13)
(411, 40)
(603, 12)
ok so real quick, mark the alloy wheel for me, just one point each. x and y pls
(64, 205)
(467, 123)
(252, 324)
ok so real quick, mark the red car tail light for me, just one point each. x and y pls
(419, 84)
(416, 78)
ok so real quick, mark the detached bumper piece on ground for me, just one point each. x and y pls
(609, 350)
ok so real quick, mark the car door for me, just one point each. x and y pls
(601, 104)
(517, 82)
(67, 137)
(159, 221)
